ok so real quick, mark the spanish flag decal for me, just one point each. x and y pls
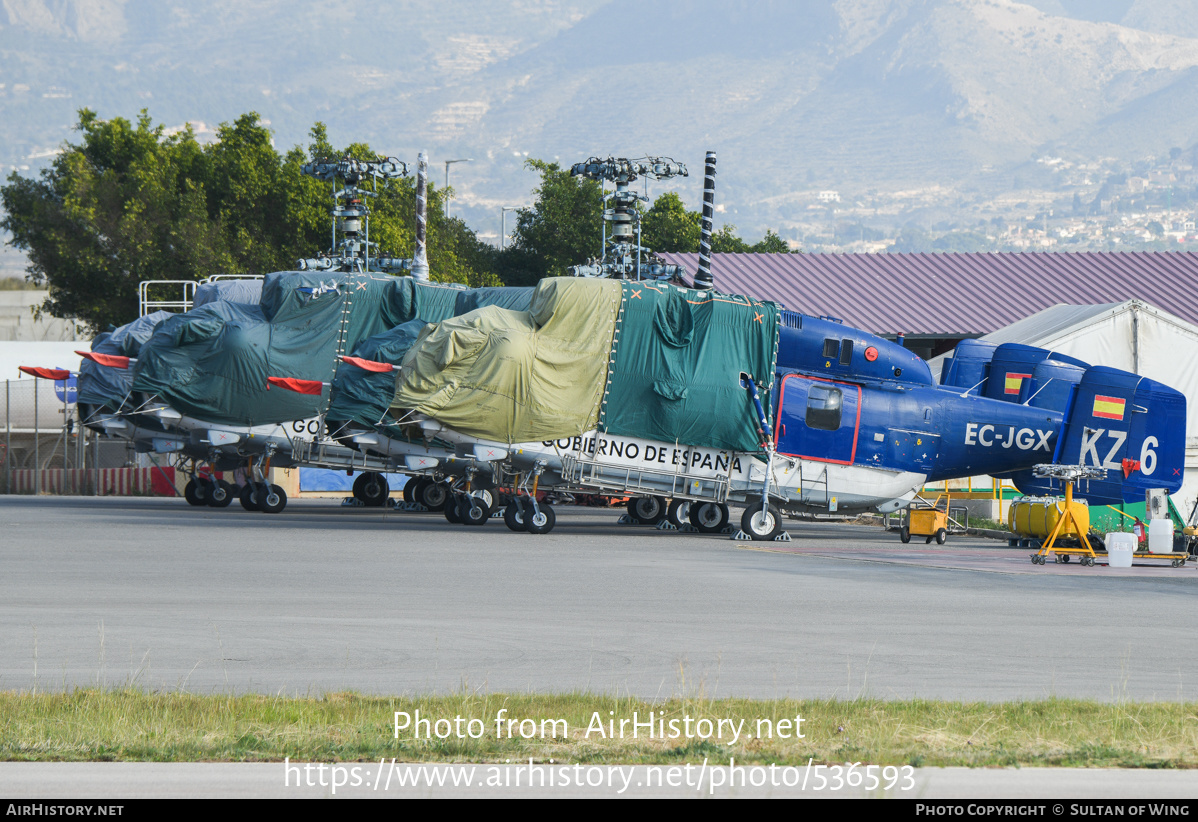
(1014, 381)
(1109, 408)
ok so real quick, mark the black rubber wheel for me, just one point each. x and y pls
(434, 495)
(678, 512)
(473, 510)
(359, 481)
(941, 536)
(543, 522)
(220, 494)
(451, 509)
(761, 526)
(904, 535)
(271, 499)
(709, 517)
(374, 489)
(513, 516)
(196, 492)
(487, 498)
(648, 510)
(249, 497)
(409, 489)
(1064, 557)
(416, 484)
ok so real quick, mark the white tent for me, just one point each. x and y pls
(1133, 336)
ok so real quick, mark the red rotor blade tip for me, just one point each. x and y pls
(46, 373)
(370, 365)
(312, 387)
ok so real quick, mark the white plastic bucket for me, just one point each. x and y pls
(1160, 536)
(1119, 548)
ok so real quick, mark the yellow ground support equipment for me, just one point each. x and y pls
(927, 519)
(1073, 515)
(1037, 517)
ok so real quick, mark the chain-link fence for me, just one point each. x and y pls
(45, 449)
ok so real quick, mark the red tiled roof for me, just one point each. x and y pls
(954, 294)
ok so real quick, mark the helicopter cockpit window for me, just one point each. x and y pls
(831, 348)
(846, 352)
(823, 407)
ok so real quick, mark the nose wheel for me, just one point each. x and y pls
(221, 493)
(196, 492)
(539, 519)
(761, 525)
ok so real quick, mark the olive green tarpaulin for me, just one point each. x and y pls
(362, 396)
(212, 362)
(517, 376)
(675, 372)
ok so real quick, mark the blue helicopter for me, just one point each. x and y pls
(856, 422)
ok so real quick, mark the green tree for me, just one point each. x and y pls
(1156, 229)
(129, 203)
(124, 205)
(725, 240)
(668, 226)
(771, 243)
(560, 229)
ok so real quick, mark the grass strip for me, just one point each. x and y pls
(133, 725)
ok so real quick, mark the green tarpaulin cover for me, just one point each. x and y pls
(212, 362)
(677, 361)
(641, 359)
(363, 396)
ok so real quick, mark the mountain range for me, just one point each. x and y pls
(951, 97)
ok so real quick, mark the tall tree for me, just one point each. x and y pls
(125, 204)
(129, 203)
(560, 229)
(668, 226)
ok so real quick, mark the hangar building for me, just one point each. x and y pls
(1136, 311)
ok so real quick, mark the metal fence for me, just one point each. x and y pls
(45, 449)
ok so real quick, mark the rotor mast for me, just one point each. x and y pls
(351, 215)
(624, 258)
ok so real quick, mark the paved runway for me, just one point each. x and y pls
(321, 597)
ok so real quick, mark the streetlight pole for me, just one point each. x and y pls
(503, 210)
(447, 164)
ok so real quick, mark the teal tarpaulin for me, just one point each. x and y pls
(212, 362)
(676, 365)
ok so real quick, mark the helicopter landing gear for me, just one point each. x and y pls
(513, 515)
(257, 494)
(371, 489)
(221, 493)
(196, 492)
(678, 512)
(249, 497)
(271, 499)
(524, 513)
(761, 523)
(432, 495)
(647, 510)
(708, 517)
